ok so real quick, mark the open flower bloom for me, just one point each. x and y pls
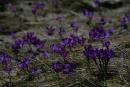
(17, 44)
(98, 33)
(67, 68)
(56, 48)
(57, 66)
(90, 52)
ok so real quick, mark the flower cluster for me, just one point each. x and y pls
(34, 48)
(67, 43)
(100, 56)
(28, 38)
(30, 61)
(72, 40)
(60, 50)
(66, 68)
(98, 53)
(5, 60)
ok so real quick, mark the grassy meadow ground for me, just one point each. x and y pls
(24, 21)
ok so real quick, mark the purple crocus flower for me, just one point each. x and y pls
(64, 54)
(23, 63)
(67, 68)
(128, 18)
(103, 20)
(74, 26)
(88, 14)
(34, 10)
(17, 45)
(59, 18)
(62, 31)
(50, 30)
(6, 61)
(57, 66)
(11, 34)
(106, 54)
(123, 20)
(97, 2)
(81, 41)
(69, 41)
(90, 52)
(74, 38)
(40, 5)
(4, 58)
(65, 42)
(111, 30)
(30, 38)
(36, 42)
(56, 48)
(44, 53)
(106, 43)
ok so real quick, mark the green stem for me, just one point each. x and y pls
(88, 65)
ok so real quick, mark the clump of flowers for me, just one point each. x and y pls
(66, 68)
(6, 64)
(102, 55)
(6, 61)
(33, 47)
